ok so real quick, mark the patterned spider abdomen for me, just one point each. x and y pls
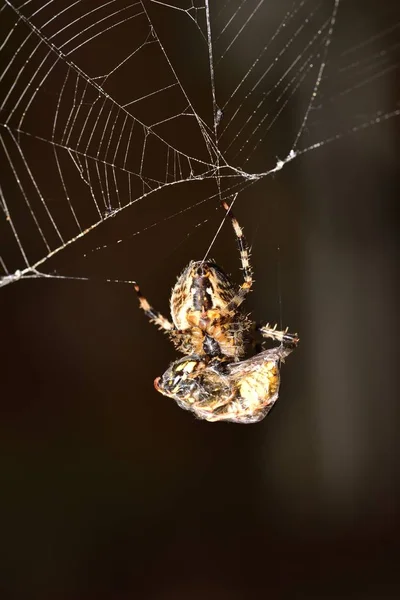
(200, 305)
(192, 385)
(241, 392)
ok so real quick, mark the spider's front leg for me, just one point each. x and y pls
(243, 246)
(284, 337)
(154, 316)
(186, 342)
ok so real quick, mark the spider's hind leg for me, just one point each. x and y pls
(284, 337)
(245, 260)
(154, 316)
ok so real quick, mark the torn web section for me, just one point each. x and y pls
(358, 87)
(267, 58)
(282, 68)
(85, 87)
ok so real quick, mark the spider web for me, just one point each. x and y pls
(107, 104)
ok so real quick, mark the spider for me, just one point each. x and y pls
(221, 390)
(210, 327)
(208, 320)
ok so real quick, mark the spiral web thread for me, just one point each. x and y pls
(92, 89)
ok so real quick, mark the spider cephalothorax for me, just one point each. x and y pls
(211, 328)
(203, 303)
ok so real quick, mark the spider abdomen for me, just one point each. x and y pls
(199, 306)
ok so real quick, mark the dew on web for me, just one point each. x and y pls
(106, 104)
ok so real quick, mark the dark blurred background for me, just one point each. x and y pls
(108, 489)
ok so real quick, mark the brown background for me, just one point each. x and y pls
(110, 491)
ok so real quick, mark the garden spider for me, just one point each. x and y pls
(206, 309)
(211, 329)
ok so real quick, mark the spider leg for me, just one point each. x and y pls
(154, 316)
(245, 260)
(288, 339)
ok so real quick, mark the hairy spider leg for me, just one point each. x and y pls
(288, 339)
(154, 316)
(245, 260)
